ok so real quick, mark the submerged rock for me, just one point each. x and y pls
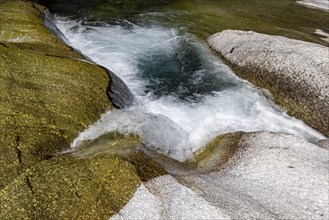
(100, 9)
(296, 72)
(127, 146)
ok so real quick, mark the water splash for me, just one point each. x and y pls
(185, 96)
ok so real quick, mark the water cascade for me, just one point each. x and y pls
(185, 95)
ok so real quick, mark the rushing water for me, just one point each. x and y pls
(185, 95)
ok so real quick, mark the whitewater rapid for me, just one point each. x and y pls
(185, 95)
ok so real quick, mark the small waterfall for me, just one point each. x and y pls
(183, 95)
(117, 91)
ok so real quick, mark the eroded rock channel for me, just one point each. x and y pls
(191, 140)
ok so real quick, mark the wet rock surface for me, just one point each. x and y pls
(296, 72)
(127, 146)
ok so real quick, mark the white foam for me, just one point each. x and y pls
(167, 123)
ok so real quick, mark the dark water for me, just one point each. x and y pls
(183, 73)
(101, 9)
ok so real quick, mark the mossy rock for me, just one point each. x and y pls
(108, 143)
(22, 23)
(212, 157)
(48, 95)
(285, 18)
(128, 146)
(65, 187)
(93, 181)
(216, 153)
(45, 102)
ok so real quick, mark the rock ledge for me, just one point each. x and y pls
(296, 72)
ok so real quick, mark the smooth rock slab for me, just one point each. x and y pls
(165, 198)
(296, 72)
(271, 176)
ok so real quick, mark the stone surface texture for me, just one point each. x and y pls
(165, 198)
(47, 95)
(270, 176)
(66, 187)
(296, 72)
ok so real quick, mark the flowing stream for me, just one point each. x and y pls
(185, 95)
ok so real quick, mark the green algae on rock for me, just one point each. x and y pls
(323, 144)
(127, 146)
(65, 187)
(217, 152)
(146, 167)
(45, 102)
(46, 97)
(109, 143)
(22, 23)
(101, 9)
(286, 18)
(206, 17)
(48, 94)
